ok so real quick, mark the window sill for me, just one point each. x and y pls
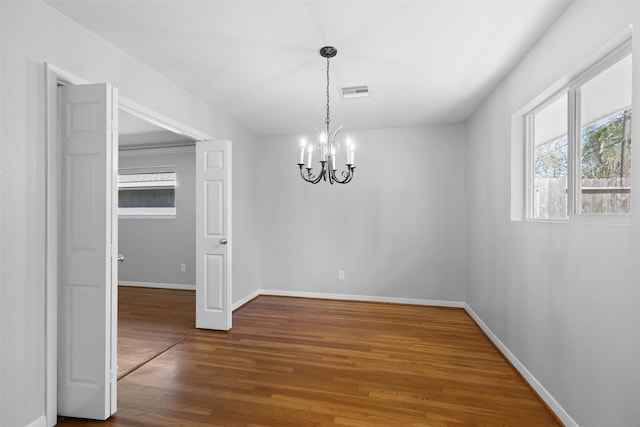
(595, 219)
(146, 217)
(613, 219)
(547, 221)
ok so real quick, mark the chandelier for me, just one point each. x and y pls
(327, 147)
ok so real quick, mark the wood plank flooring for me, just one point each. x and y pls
(304, 362)
(150, 320)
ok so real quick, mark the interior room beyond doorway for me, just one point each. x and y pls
(156, 289)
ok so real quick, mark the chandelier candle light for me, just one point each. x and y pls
(327, 146)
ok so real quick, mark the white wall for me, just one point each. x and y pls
(397, 230)
(1, 234)
(563, 297)
(31, 33)
(154, 248)
(245, 217)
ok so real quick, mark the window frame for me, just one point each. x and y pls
(149, 170)
(574, 185)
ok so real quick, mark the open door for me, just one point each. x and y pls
(87, 253)
(213, 235)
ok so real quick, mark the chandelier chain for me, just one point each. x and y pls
(328, 117)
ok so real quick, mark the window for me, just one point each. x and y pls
(605, 141)
(579, 144)
(551, 159)
(147, 194)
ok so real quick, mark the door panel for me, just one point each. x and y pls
(215, 217)
(215, 272)
(213, 235)
(87, 239)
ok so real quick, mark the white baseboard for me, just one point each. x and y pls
(158, 285)
(528, 376)
(366, 298)
(236, 305)
(40, 422)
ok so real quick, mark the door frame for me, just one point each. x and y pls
(52, 77)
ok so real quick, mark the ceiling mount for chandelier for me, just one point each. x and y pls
(327, 146)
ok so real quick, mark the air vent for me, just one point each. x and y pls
(355, 92)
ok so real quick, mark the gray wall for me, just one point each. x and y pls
(563, 297)
(33, 32)
(155, 248)
(397, 230)
(245, 215)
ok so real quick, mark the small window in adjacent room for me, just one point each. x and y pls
(578, 145)
(147, 194)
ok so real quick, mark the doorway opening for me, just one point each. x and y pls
(56, 77)
(156, 237)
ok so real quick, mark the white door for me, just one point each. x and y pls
(213, 235)
(87, 300)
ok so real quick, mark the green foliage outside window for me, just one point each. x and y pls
(551, 159)
(606, 147)
(606, 151)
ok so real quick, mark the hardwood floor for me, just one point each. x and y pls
(303, 362)
(151, 320)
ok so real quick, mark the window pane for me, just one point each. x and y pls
(144, 198)
(605, 124)
(550, 156)
(147, 194)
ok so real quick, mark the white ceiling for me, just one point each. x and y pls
(426, 62)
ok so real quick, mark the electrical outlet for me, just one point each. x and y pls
(183, 267)
(340, 275)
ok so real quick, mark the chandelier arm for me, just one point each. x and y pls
(309, 176)
(346, 181)
(335, 132)
(331, 153)
(350, 176)
(323, 172)
(306, 178)
(332, 176)
(318, 178)
(347, 175)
